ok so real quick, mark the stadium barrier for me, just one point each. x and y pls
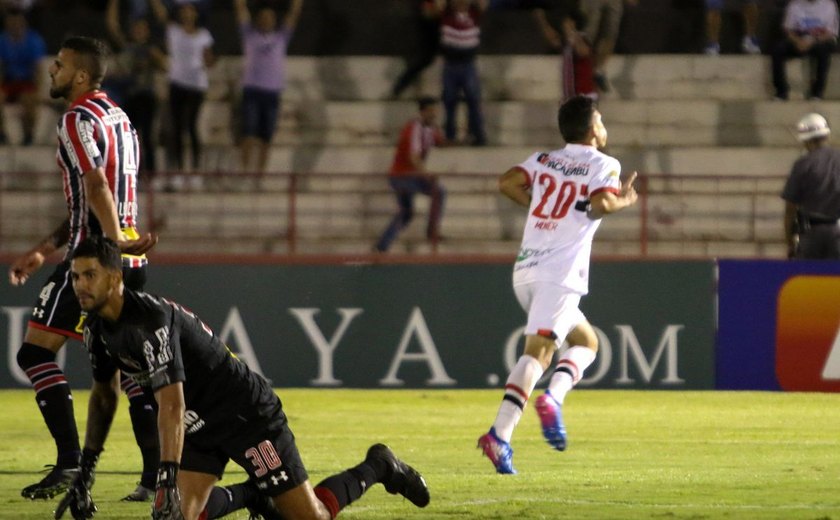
(417, 326)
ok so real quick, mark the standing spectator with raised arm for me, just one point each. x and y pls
(428, 28)
(136, 63)
(190, 50)
(264, 45)
(21, 50)
(810, 28)
(460, 36)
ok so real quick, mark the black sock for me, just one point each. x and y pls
(338, 491)
(225, 500)
(143, 413)
(52, 393)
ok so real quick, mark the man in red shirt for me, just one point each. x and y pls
(408, 173)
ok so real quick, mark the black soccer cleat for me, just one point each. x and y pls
(400, 477)
(56, 482)
(140, 494)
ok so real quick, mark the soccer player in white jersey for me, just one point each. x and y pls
(567, 192)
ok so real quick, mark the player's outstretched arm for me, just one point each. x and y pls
(23, 267)
(606, 202)
(514, 185)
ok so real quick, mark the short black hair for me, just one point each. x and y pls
(426, 101)
(575, 118)
(92, 56)
(103, 249)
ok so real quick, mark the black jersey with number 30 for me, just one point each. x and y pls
(158, 342)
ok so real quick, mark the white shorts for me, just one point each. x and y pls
(550, 308)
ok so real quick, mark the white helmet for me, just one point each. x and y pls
(812, 126)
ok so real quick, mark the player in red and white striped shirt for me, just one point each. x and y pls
(98, 157)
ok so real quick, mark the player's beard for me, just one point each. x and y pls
(60, 91)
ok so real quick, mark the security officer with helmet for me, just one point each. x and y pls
(812, 194)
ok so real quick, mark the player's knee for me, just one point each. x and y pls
(583, 335)
(31, 355)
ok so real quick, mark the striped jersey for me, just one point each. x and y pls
(94, 132)
(460, 34)
(557, 240)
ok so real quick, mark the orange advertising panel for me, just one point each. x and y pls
(808, 334)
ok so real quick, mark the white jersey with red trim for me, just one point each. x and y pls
(557, 240)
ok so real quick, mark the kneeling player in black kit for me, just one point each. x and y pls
(212, 408)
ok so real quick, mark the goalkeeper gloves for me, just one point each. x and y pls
(78, 498)
(167, 504)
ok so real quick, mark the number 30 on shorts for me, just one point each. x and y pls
(264, 458)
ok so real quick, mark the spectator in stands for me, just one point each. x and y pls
(602, 20)
(136, 63)
(263, 76)
(428, 29)
(21, 50)
(190, 50)
(810, 28)
(749, 44)
(812, 194)
(578, 65)
(459, 41)
(409, 176)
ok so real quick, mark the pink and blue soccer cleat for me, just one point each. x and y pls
(551, 418)
(498, 451)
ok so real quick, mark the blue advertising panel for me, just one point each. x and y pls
(754, 298)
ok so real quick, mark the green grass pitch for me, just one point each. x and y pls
(632, 454)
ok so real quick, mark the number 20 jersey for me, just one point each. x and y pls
(557, 240)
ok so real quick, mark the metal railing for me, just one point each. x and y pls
(328, 213)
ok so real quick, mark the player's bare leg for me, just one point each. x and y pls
(195, 489)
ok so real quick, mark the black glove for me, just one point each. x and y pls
(78, 497)
(167, 504)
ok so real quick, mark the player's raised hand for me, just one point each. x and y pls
(139, 245)
(628, 191)
(24, 266)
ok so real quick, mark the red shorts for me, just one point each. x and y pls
(14, 89)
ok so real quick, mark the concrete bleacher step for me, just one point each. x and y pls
(676, 160)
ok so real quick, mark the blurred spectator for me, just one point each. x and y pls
(810, 28)
(408, 175)
(578, 66)
(189, 47)
(602, 20)
(21, 50)
(133, 78)
(459, 40)
(713, 22)
(428, 27)
(263, 76)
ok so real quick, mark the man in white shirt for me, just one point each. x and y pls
(567, 192)
(810, 28)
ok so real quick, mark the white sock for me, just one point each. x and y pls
(520, 383)
(569, 370)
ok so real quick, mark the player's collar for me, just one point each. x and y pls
(90, 94)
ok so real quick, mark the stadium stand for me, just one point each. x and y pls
(671, 117)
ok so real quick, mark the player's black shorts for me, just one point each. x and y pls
(57, 309)
(268, 453)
